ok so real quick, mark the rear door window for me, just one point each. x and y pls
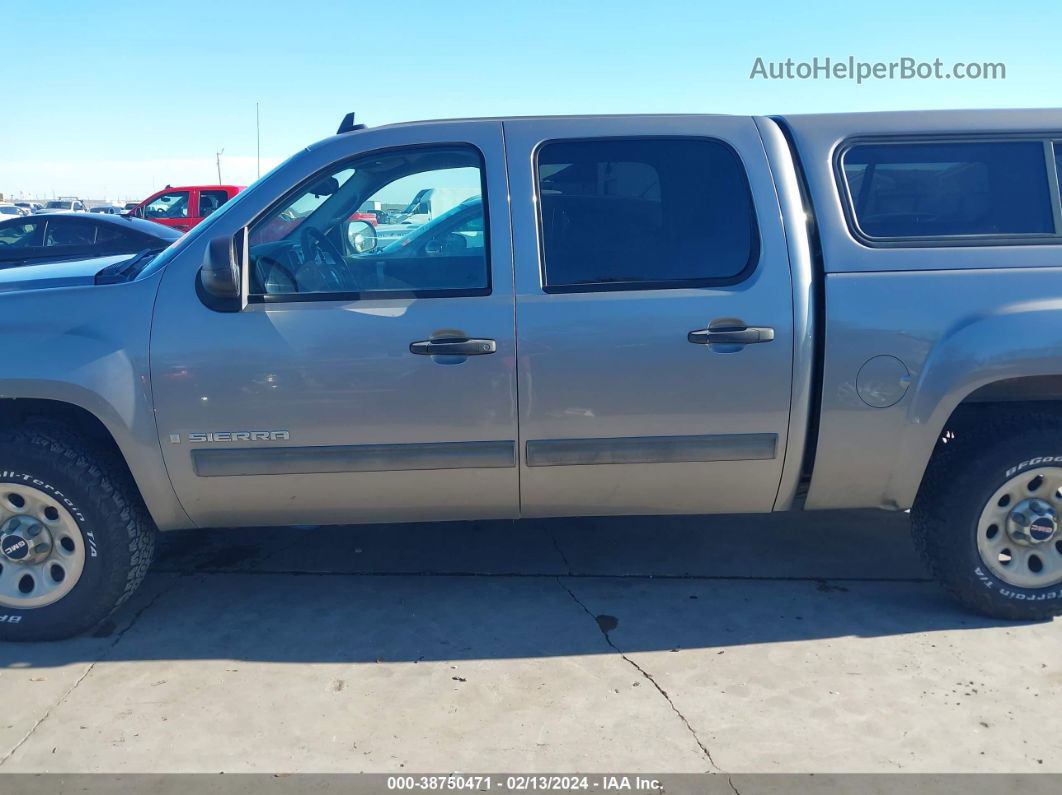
(639, 214)
(70, 232)
(211, 200)
(948, 189)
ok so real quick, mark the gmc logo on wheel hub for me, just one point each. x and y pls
(1042, 529)
(14, 548)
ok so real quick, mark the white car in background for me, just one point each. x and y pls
(427, 205)
(63, 204)
(8, 210)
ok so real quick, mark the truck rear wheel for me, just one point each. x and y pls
(987, 518)
(75, 539)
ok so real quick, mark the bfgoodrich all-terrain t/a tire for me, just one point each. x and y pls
(987, 518)
(75, 538)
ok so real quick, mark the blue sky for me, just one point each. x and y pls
(124, 96)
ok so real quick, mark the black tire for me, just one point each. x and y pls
(990, 447)
(99, 494)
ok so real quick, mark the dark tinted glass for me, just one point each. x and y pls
(210, 200)
(70, 232)
(907, 190)
(636, 214)
(109, 233)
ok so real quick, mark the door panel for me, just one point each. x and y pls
(318, 411)
(622, 410)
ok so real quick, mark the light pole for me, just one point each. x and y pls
(218, 155)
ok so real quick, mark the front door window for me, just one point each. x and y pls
(168, 206)
(409, 223)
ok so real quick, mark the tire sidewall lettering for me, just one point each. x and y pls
(13, 615)
(1031, 463)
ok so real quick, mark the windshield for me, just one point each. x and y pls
(9, 211)
(57, 205)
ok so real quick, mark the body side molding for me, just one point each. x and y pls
(651, 449)
(353, 458)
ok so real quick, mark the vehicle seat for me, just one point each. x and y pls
(207, 205)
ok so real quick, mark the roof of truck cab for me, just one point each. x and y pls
(548, 117)
(559, 117)
(814, 133)
(935, 120)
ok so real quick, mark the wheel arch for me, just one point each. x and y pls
(99, 423)
(1005, 358)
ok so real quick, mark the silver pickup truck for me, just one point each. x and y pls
(617, 315)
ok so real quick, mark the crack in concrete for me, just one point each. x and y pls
(730, 781)
(648, 677)
(143, 609)
(117, 638)
(560, 551)
(47, 712)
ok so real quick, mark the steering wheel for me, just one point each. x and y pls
(334, 274)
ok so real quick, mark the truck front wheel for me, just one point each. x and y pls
(75, 539)
(988, 516)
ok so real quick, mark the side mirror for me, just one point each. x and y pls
(221, 276)
(361, 236)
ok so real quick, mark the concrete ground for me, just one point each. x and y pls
(734, 644)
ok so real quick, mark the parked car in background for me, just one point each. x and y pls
(107, 209)
(184, 207)
(457, 232)
(8, 210)
(63, 204)
(29, 207)
(40, 239)
(129, 206)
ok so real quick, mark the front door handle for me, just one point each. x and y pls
(453, 346)
(731, 335)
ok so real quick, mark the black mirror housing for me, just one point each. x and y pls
(221, 276)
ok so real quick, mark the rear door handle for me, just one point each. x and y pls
(731, 335)
(459, 346)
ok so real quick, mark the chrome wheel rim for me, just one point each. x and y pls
(1018, 534)
(42, 551)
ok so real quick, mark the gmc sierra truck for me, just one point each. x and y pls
(628, 315)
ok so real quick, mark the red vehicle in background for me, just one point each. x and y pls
(184, 207)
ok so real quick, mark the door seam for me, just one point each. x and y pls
(516, 327)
